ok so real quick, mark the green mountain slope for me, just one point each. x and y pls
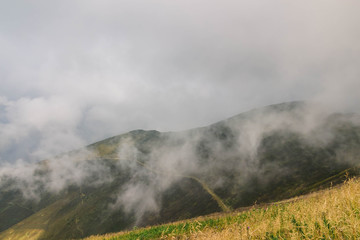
(326, 214)
(146, 177)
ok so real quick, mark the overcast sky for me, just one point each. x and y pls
(75, 72)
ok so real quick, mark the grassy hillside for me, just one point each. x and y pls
(333, 213)
(144, 178)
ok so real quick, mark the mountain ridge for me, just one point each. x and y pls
(266, 154)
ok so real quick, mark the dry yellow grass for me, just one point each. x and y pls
(329, 214)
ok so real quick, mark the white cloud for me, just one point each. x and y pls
(85, 70)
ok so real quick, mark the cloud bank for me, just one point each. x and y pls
(254, 150)
(74, 72)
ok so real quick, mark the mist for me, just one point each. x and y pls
(229, 153)
(76, 72)
(143, 165)
(73, 73)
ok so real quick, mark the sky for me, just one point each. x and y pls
(76, 72)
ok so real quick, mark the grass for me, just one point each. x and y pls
(34, 226)
(328, 214)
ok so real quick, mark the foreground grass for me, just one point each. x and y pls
(328, 214)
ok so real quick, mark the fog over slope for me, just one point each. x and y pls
(241, 159)
(76, 72)
(73, 73)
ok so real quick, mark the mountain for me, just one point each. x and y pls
(147, 177)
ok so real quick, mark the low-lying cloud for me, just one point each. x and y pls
(233, 146)
(76, 72)
(72, 73)
(210, 154)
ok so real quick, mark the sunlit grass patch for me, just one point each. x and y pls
(329, 214)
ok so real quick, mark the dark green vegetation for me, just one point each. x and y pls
(260, 156)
